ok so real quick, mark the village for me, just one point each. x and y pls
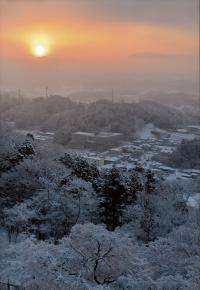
(143, 151)
(106, 149)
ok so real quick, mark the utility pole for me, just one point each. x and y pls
(112, 95)
(46, 92)
(1, 102)
(19, 96)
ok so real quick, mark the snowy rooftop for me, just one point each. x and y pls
(108, 134)
(117, 149)
(94, 158)
(100, 134)
(84, 133)
(182, 130)
(194, 126)
(166, 168)
(191, 171)
(110, 158)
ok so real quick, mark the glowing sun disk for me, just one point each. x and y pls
(40, 50)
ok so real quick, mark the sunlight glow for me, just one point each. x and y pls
(40, 50)
(40, 44)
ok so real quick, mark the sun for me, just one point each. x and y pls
(40, 44)
(40, 50)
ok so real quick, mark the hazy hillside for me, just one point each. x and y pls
(60, 114)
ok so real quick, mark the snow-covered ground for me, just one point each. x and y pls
(142, 150)
(3, 240)
(194, 200)
(145, 133)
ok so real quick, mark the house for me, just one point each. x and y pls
(96, 160)
(115, 151)
(194, 129)
(167, 169)
(111, 160)
(100, 141)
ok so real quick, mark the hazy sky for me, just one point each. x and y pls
(98, 43)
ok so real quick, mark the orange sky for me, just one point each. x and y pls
(85, 38)
(75, 33)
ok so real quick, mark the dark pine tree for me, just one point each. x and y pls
(80, 167)
(113, 193)
(150, 182)
(135, 185)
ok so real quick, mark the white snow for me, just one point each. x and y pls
(194, 200)
(145, 133)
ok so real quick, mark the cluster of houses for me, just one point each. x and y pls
(140, 152)
(106, 149)
(95, 141)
